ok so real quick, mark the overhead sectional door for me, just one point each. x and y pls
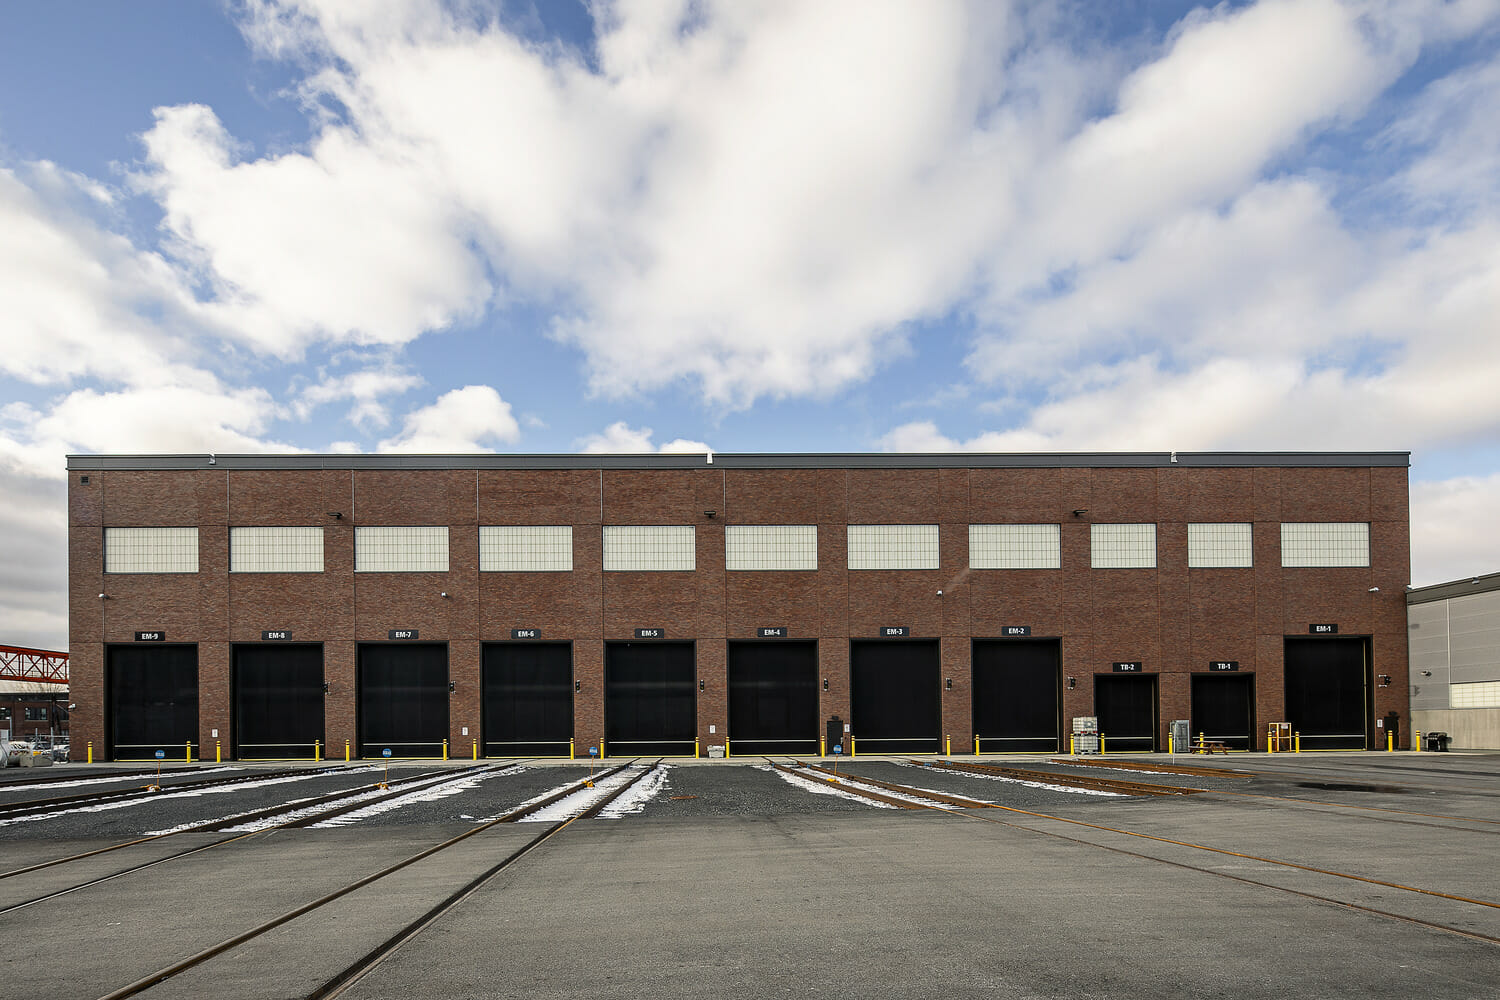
(1224, 708)
(773, 697)
(650, 698)
(153, 701)
(1126, 707)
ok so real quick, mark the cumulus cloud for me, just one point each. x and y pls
(621, 438)
(459, 421)
(1445, 544)
(364, 389)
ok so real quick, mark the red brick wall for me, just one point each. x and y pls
(1172, 618)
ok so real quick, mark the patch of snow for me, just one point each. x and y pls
(634, 800)
(579, 801)
(818, 787)
(432, 793)
(1034, 784)
(99, 781)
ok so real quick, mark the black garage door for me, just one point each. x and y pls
(894, 697)
(528, 699)
(773, 697)
(1223, 709)
(1126, 707)
(1327, 690)
(1016, 695)
(278, 700)
(153, 701)
(403, 699)
(650, 698)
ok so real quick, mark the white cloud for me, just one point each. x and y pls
(1449, 536)
(621, 438)
(364, 389)
(459, 421)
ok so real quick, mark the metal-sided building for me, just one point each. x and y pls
(256, 605)
(1455, 660)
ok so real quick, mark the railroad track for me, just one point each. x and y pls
(60, 803)
(913, 797)
(1130, 765)
(593, 800)
(1090, 782)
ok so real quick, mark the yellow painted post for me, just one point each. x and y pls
(695, 748)
(727, 753)
(189, 754)
(346, 751)
(851, 746)
(218, 752)
(1415, 732)
(91, 751)
(1170, 748)
(601, 749)
(1101, 743)
(948, 746)
(571, 749)
(1072, 744)
(1296, 742)
(445, 749)
(822, 746)
(1390, 741)
(317, 750)
(976, 745)
(476, 748)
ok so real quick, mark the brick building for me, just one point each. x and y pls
(641, 603)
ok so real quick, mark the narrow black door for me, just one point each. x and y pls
(650, 698)
(1126, 707)
(773, 697)
(153, 701)
(1223, 709)
(1016, 695)
(894, 697)
(403, 699)
(278, 700)
(1327, 692)
(528, 699)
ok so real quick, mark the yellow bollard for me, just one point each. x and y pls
(695, 748)
(976, 746)
(851, 746)
(476, 748)
(91, 751)
(1101, 743)
(189, 754)
(1416, 733)
(571, 749)
(317, 750)
(1169, 742)
(346, 751)
(948, 746)
(1390, 741)
(445, 749)
(218, 752)
(1296, 742)
(1072, 745)
(727, 754)
(822, 746)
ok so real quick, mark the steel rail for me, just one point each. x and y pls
(1069, 780)
(958, 801)
(15, 810)
(198, 958)
(1134, 765)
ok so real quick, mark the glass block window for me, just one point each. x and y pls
(771, 546)
(150, 550)
(275, 550)
(1485, 694)
(1336, 544)
(401, 550)
(893, 546)
(529, 548)
(1122, 546)
(1015, 546)
(650, 547)
(1219, 545)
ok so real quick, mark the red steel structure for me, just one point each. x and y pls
(18, 663)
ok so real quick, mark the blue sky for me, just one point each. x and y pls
(838, 226)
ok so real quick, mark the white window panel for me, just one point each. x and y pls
(893, 546)
(1333, 544)
(529, 548)
(1220, 546)
(771, 546)
(150, 550)
(413, 549)
(1015, 546)
(1122, 546)
(1485, 694)
(276, 550)
(650, 547)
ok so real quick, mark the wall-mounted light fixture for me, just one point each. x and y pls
(578, 685)
(103, 597)
(700, 684)
(1385, 680)
(336, 514)
(1080, 511)
(948, 683)
(443, 594)
(1427, 673)
(1072, 683)
(450, 687)
(825, 684)
(325, 687)
(710, 513)
(1374, 590)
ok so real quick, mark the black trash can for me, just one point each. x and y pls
(1437, 742)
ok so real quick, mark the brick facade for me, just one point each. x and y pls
(1172, 618)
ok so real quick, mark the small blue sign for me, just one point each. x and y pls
(386, 752)
(593, 751)
(838, 748)
(161, 755)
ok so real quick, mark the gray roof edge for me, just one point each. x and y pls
(1469, 585)
(867, 460)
